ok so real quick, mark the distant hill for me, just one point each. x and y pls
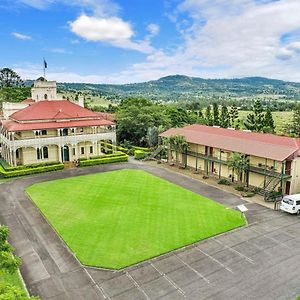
(180, 87)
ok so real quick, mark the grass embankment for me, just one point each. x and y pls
(119, 218)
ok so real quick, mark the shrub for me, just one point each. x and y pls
(248, 194)
(224, 181)
(141, 148)
(240, 188)
(140, 154)
(31, 170)
(104, 160)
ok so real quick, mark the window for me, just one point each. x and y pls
(17, 153)
(65, 131)
(44, 132)
(38, 153)
(73, 130)
(91, 149)
(74, 152)
(45, 152)
(82, 150)
(45, 97)
(81, 129)
(37, 133)
(297, 202)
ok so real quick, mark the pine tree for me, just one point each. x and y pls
(256, 119)
(224, 118)
(233, 116)
(208, 116)
(269, 125)
(294, 127)
(216, 120)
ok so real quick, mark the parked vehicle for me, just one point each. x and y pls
(291, 204)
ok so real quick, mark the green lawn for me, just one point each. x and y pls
(116, 219)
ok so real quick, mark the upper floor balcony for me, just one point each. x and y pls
(40, 141)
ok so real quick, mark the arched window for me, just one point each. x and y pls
(45, 152)
(38, 153)
(45, 96)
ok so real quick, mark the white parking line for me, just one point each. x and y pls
(191, 268)
(169, 280)
(250, 260)
(137, 285)
(217, 261)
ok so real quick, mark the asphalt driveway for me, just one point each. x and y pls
(259, 261)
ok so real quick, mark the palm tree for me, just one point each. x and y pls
(238, 163)
(177, 143)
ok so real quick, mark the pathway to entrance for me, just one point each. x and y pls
(259, 261)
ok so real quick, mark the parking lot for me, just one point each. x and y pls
(259, 261)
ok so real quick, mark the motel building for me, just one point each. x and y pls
(273, 162)
(45, 128)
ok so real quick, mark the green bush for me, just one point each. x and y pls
(140, 154)
(104, 160)
(224, 181)
(240, 188)
(31, 170)
(141, 148)
(248, 194)
(31, 166)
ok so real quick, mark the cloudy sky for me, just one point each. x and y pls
(120, 41)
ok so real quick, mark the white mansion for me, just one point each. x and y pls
(45, 129)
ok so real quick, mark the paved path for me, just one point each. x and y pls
(260, 261)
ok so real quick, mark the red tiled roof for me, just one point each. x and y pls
(52, 110)
(15, 126)
(258, 144)
(28, 100)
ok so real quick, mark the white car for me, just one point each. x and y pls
(291, 204)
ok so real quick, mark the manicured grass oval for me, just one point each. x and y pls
(116, 219)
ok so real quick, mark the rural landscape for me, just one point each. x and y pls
(149, 150)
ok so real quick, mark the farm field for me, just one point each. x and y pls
(281, 119)
(119, 218)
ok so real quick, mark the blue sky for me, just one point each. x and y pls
(119, 41)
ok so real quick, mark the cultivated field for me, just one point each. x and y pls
(116, 219)
(281, 119)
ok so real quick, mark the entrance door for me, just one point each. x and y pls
(65, 153)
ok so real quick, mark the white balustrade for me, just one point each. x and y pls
(59, 140)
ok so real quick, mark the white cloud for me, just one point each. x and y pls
(111, 30)
(60, 51)
(153, 29)
(39, 4)
(230, 39)
(21, 36)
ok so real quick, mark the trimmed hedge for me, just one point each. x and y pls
(31, 166)
(103, 160)
(103, 156)
(139, 154)
(31, 170)
(141, 149)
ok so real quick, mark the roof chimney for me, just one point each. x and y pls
(81, 101)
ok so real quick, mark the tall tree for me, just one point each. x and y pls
(208, 116)
(224, 117)
(269, 125)
(256, 119)
(9, 78)
(233, 116)
(216, 114)
(294, 127)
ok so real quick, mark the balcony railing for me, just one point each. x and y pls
(252, 168)
(40, 141)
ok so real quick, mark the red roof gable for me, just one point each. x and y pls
(257, 144)
(52, 110)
